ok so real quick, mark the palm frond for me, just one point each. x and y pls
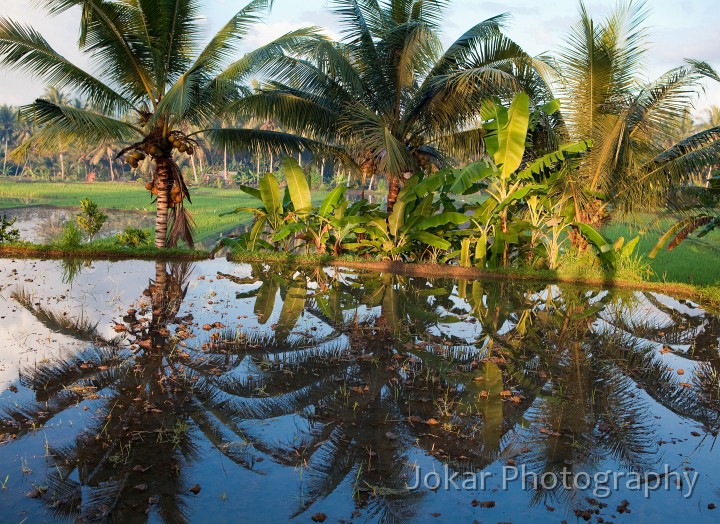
(659, 107)
(673, 167)
(459, 51)
(59, 125)
(24, 49)
(115, 35)
(170, 31)
(223, 46)
(256, 61)
(296, 111)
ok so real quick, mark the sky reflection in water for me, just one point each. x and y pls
(135, 391)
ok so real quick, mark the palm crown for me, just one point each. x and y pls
(387, 98)
(631, 122)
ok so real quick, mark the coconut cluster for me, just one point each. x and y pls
(134, 158)
(178, 142)
(158, 148)
(175, 140)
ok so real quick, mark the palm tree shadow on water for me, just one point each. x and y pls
(380, 374)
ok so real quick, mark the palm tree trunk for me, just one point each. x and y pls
(110, 162)
(5, 159)
(162, 167)
(192, 161)
(225, 174)
(393, 190)
(62, 167)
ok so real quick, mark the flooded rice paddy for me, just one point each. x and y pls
(44, 224)
(220, 392)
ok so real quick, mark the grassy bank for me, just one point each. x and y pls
(694, 261)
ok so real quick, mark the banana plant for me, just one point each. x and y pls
(416, 224)
(610, 253)
(510, 180)
(550, 219)
(331, 225)
(279, 215)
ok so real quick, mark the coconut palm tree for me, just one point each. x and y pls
(8, 124)
(58, 98)
(631, 122)
(712, 117)
(387, 95)
(154, 80)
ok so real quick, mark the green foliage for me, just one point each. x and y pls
(133, 237)
(524, 216)
(7, 232)
(90, 219)
(429, 221)
(291, 222)
(610, 253)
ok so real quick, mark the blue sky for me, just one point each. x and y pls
(678, 29)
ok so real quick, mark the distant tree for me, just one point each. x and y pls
(8, 126)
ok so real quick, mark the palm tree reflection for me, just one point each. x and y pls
(375, 372)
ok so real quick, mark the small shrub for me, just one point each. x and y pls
(71, 236)
(133, 237)
(90, 219)
(7, 232)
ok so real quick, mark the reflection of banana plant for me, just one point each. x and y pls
(385, 387)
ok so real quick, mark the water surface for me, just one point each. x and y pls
(219, 392)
